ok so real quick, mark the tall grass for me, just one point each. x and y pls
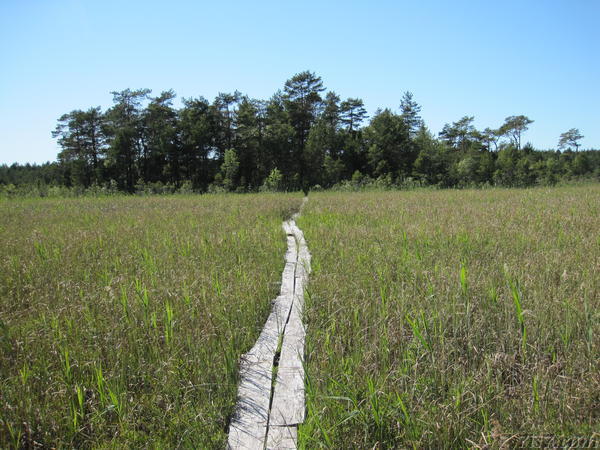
(122, 319)
(452, 318)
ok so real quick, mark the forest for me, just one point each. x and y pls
(303, 137)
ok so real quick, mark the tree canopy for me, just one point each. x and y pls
(304, 136)
(570, 139)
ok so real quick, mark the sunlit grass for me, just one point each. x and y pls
(122, 319)
(452, 318)
(434, 318)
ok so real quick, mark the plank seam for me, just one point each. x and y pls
(261, 369)
(277, 355)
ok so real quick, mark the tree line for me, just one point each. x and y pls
(303, 137)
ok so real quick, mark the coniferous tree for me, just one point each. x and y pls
(230, 169)
(514, 127)
(225, 108)
(570, 139)
(432, 162)
(303, 103)
(124, 130)
(352, 113)
(390, 150)
(161, 156)
(410, 109)
(197, 129)
(279, 139)
(489, 137)
(80, 135)
(325, 145)
(248, 143)
(461, 134)
(296, 139)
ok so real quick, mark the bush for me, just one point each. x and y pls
(274, 182)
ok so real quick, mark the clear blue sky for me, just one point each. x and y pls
(490, 59)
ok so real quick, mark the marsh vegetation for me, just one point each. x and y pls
(434, 317)
(122, 319)
(452, 318)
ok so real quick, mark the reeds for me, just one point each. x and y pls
(452, 318)
(122, 319)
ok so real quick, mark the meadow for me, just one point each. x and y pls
(435, 318)
(122, 319)
(452, 318)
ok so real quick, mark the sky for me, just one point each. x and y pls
(488, 59)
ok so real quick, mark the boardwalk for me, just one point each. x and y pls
(270, 401)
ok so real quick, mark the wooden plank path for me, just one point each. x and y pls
(268, 411)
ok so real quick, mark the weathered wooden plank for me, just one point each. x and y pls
(284, 438)
(266, 345)
(294, 332)
(288, 405)
(299, 284)
(254, 424)
(291, 254)
(287, 279)
(288, 227)
(247, 436)
(303, 253)
(292, 356)
(304, 259)
(249, 425)
(281, 307)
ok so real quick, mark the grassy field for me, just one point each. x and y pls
(435, 318)
(452, 318)
(122, 319)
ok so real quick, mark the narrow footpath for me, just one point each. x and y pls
(270, 402)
